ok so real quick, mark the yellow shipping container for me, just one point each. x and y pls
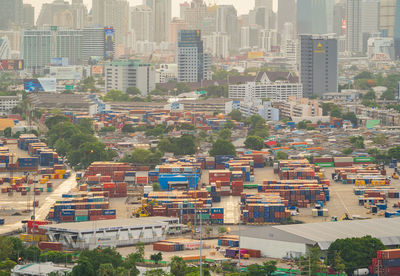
(29, 237)
(60, 176)
(43, 181)
(59, 171)
(52, 176)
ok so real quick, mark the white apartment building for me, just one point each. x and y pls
(167, 72)
(300, 107)
(258, 107)
(263, 88)
(122, 74)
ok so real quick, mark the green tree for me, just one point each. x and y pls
(229, 124)
(157, 257)
(116, 96)
(225, 133)
(222, 230)
(380, 139)
(182, 87)
(108, 129)
(143, 157)
(140, 250)
(347, 151)
(351, 116)
(254, 142)
(303, 124)
(178, 266)
(130, 263)
(236, 115)
(84, 267)
(355, 252)
(217, 91)
(32, 253)
(133, 91)
(357, 141)
(265, 269)
(222, 147)
(106, 270)
(99, 256)
(156, 186)
(281, 155)
(7, 132)
(165, 145)
(6, 266)
(155, 272)
(364, 75)
(310, 264)
(370, 95)
(336, 113)
(55, 120)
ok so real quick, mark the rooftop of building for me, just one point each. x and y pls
(38, 269)
(113, 224)
(325, 233)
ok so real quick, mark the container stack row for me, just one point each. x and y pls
(387, 262)
(263, 208)
(176, 245)
(82, 207)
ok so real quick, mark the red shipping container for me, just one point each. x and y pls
(390, 254)
(53, 246)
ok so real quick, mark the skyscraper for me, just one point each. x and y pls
(113, 13)
(160, 18)
(29, 16)
(92, 43)
(286, 13)
(390, 22)
(11, 13)
(353, 31)
(318, 64)
(190, 56)
(227, 22)
(40, 45)
(339, 17)
(369, 21)
(268, 4)
(312, 17)
(140, 23)
(175, 26)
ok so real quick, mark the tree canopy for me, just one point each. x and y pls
(254, 142)
(222, 147)
(355, 252)
(143, 157)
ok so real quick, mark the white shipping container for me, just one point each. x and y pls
(210, 159)
(130, 178)
(142, 174)
(81, 212)
(147, 189)
(225, 188)
(343, 159)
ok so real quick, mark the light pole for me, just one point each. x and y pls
(201, 244)
(239, 237)
(34, 210)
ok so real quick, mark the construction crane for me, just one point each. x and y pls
(142, 211)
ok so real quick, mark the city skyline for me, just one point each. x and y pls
(242, 7)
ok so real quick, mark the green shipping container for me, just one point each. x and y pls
(250, 186)
(363, 159)
(49, 190)
(325, 165)
(81, 218)
(203, 216)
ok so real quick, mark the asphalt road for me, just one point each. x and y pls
(43, 210)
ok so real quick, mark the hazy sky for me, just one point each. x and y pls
(243, 6)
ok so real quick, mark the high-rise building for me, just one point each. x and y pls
(286, 13)
(312, 17)
(217, 44)
(57, 13)
(79, 13)
(195, 14)
(268, 4)
(93, 43)
(160, 18)
(339, 18)
(182, 8)
(11, 13)
(318, 64)
(125, 73)
(227, 22)
(175, 26)
(190, 57)
(140, 23)
(40, 45)
(353, 31)
(14, 38)
(113, 13)
(29, 16)
(390, 22)
(369, 21)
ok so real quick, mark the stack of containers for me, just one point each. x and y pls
(82, 207)
(237, 188)
(263, 208)
(25, 139)
(387, 262)
(107, 168)
(220, 161)
(228, 240)
(215, 193)
(343, 161)
(225, 187)
(28, 163)
(130, 176)
(388, 192)
(324, 162)
(210, 163)
(219, 175)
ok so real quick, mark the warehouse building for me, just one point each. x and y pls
(111, 233)
(291, 241)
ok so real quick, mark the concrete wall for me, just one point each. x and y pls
(273, 248)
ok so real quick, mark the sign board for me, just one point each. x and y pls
(108, 43)
(254, 55)
(40, 85)
(11, 64)
(59, 61)
(66, 72)
(69, 87)
(97, 70)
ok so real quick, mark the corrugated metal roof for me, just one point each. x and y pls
(324, 233)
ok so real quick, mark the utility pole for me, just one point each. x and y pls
(201, 245)
(34, 210)
(239, 242)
